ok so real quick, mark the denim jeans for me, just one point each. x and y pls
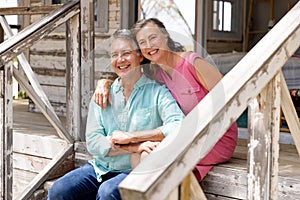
(82, 184)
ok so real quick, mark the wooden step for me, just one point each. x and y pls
(229, 180)
(35, 143)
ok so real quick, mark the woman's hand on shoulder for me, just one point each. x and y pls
(101, 94)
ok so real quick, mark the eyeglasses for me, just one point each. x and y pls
(123, 54)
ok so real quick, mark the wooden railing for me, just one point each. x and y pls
(13, 47)
(255, 82)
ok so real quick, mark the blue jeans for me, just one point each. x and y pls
(82, 184)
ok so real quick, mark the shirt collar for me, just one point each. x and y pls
(140, 83)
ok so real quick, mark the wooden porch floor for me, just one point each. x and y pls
(35, 142)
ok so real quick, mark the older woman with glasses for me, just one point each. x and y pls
(142, 113)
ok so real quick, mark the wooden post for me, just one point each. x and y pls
(174, 194)
(24, 21)
(87, 60)
(185, 188)
(73, 77)
(6, 132)
(2, 117)
(196, 191)
(200, 35)
(290, 113)
(263, 152)
(190, 189)
(275, 133)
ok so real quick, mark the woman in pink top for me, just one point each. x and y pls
(188, 77)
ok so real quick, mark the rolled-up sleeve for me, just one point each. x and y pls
(96, 139)
(169, 111)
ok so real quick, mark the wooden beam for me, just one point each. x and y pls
(275, 134)
(185, 188)
(43, 107)
(103, 16)
(36, 31)
(28, 10)
(290, 113)
(48, 170)
(196, 191)
(200, 28)
(6, 133)
(87, 60)
(73, 72)
(176, 156)
(263, 154)
(2, 128)
(190, 189)
(174, 195)
(28, 70)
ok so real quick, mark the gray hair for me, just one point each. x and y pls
(126, 35)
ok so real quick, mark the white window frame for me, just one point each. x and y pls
(236, 22)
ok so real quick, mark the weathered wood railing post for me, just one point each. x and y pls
(73, 111)
(263, 148)
(6, 123)
(290, 113)
(10, 49)
(87, 60)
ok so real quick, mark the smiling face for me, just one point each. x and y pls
(125, 59)
(152, 42)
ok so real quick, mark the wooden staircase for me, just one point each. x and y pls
(255, 83)
(229, 180)
(223, 182)
(35, 144)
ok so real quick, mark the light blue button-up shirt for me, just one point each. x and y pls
(150, 106)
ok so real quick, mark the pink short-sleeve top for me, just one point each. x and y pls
(184, 83)
(188, 92)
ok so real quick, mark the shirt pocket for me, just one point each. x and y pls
(141, 119)
(190, 90)
(188, 98)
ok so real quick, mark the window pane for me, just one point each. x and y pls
(222, 16)
(58, 1)
(215, 16)
(225, 19)
(227, 16)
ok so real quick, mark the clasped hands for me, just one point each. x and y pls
(130, 142)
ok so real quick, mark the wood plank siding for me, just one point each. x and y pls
(48, 59)
(68, 48)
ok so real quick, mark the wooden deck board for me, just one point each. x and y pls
(229, 180)
(31, 121)
(35, 143)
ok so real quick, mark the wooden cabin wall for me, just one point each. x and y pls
(223, 46)
(262, 13)
(48, 58)
(222, 41)
(259, 25)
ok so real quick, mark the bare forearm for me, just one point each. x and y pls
(123, 149)
(116, 151)
(154, 135)
(140, 147)
(119, 137)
